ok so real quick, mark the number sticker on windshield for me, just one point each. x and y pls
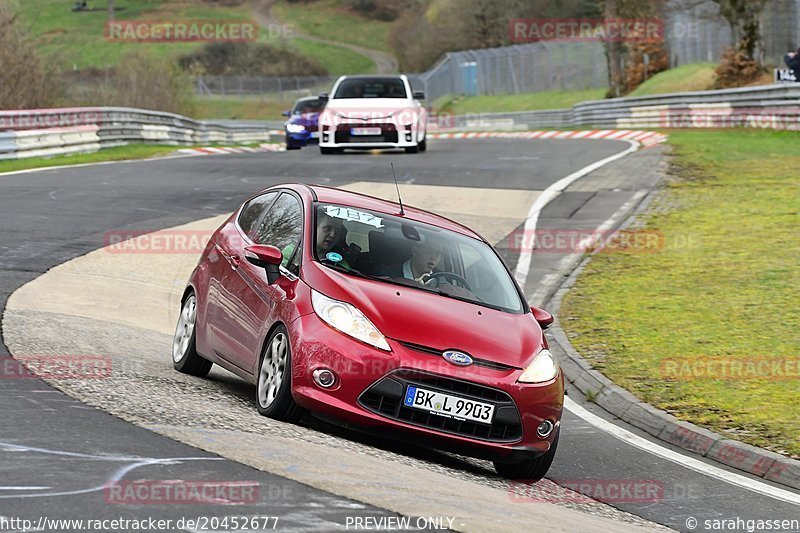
(354, 215)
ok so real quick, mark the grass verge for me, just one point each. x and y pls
(240, 108)
(691, 77)
(117, 153)
(723, 290)
(518, 102)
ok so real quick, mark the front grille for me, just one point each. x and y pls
(385, 398)
(475, 361)
(388, 133)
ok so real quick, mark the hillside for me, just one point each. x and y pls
(74, 41)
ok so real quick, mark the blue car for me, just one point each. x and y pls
(302, 127)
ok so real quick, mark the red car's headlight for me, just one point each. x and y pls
(543, 368)
(348, 319)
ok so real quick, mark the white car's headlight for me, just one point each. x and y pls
(295, 128)
(405, 117)
(543, 368)
(348, 319)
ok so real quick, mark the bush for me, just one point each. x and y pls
(385, 10)
(139, 80)
(25, 81)
(636, 72)
(736, 70)
(247, 59)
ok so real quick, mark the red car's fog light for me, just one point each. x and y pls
(324, 377)
(544, 428)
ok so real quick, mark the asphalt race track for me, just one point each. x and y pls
(57, 453)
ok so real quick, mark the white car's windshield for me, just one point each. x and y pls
(371, 88)
(397, 250)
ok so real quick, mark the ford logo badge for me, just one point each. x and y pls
(457, 358)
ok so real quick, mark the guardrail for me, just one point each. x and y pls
(47, 132)
(772, 106)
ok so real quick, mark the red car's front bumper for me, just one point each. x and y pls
(365, 394)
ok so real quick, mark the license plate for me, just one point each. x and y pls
(315, 135)
(448, 405)
(365, 131)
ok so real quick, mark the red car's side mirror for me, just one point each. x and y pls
(267, 257)
(544, 318)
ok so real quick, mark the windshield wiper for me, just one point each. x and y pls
(353, 271)
(476, 301)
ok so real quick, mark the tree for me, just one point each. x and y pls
(744, 19)
(625, 58)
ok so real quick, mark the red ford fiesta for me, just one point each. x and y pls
(395, 321)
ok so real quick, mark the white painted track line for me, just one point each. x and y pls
(679, 458)
(549, 194)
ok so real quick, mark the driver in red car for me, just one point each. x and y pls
(425, 256)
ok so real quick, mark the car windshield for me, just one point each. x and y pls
(396, 250)
(307, 106)
(371, 88)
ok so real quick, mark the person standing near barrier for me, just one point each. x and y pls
(792, 60)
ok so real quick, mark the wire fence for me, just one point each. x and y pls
(517, 69)
(269, 87)
(695, 31)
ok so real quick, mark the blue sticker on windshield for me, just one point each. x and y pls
(333, 256)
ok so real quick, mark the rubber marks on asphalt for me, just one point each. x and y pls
(645, 138)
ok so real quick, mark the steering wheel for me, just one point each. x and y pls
(451, 275)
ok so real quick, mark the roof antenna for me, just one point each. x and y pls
(400, 200)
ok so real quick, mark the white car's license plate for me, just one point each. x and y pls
(365, 131)
(447, 405)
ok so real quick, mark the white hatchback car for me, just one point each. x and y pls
(365, 112)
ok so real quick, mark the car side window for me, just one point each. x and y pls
(283, 228)
(254, 211)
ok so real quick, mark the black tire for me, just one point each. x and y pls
(423, 145)
(184, 346)
(290, 146)
(412, 149)
(276, 403)
(531, 470)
